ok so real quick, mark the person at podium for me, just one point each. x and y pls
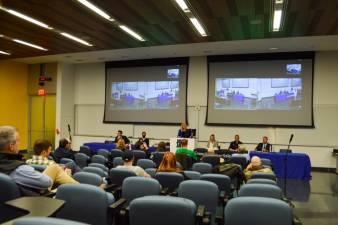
(184, 132)
(265, 146)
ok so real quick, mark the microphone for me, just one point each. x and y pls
(291, 137)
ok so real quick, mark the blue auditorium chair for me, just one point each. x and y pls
(44, 221)
(222, 181)
(261, 181)
(81, 159)
(99, 159)
(202, 167)
(118, 161)
(259, 175)
(88, 178)
(98, 165)
(261, 190)
(257, 210)
(95, 170)
(169, 181)
(146, 163)
(104, 152)
(191, 175)
(86, 150)
(214, 160)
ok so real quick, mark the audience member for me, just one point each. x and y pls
(121, 145)
(265, 146)
(234, 145)
(161, 147)
(168, 163)
(144, 140)
(64, 150)
(128, 159)
(184, 150)
(212, 144)
(120, 136)
(255, 166)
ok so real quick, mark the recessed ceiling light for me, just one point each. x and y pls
(30, 44)
(4, 53)
(131, 32)
(273, 48)
(96, 9)
(183, 5)
(76, 39)
(198, 26)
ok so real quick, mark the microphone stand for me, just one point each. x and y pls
(288, 200)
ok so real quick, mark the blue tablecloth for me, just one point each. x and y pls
(298, 164)
(95, 146)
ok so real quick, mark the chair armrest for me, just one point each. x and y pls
(118, 204)
(219, 216)
(110, 187)
(200, 211)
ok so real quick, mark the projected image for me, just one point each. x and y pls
(294, 68)
(258, 93)
(143, 95)
(173, 73)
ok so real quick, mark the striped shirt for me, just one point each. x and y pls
(39, 160)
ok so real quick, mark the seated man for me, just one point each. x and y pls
(255, 166)
(11, 163)
(64, 150)
(184, 150)
(121, 136)
(265, 146)
(128, 159)
(235, 145)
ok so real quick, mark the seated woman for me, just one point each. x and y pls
(212, 144)
(121, 145)
(255, 166)
(168, 163)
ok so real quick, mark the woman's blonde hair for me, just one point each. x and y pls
(121, 145)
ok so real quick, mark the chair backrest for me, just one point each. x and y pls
(222, 181)
(266, 162)
(214, 160)
(202, 167)
(81, 159)
(240, 160)
(88, 178)
(44, 221)
(191, 175)
(146, 163)
(99, 159)
(66, 160)
(116, 153)
(118, 161)
(285, 150)
(9, 189)
(84, 203)
(201, 150)
(162, 210)
(86, 150)
(117, 175)
(151, 172)
(98, 165)
(95, 170)
(257, 210)
(138, 154)
(135, 187)
(261, 190)
(261, 181)
(169, 180)
(201, 192)
(39, 168)
(104, 152)
(270, 176)
(185, 161)
(158, 157)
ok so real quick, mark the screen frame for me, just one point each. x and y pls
(145, 63)
(261, 57)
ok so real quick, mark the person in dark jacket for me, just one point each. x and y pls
(64, 150)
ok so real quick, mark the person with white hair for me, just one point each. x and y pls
(255, 166)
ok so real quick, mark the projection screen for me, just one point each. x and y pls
(261, 90)
(146, 91)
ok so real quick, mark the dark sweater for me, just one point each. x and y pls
(9, 162)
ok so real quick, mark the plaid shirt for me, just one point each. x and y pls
(40, 160)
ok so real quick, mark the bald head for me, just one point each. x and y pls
(256, 161)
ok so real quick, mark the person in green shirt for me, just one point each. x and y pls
(184, 150)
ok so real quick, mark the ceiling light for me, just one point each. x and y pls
(76, 39)
(198, 26)
(4, 53)
(131, 32)
(273, 48)
(277, 19)
(27, 18)
(29, 44)
(183, 5)
(96, 9)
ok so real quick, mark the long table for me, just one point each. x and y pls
(298, 164)
(95, 146)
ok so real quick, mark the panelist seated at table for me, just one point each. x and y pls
(121, 136)
(255, 166)
(212, 144)
(264, 146)
(184, 132)
(236, 144)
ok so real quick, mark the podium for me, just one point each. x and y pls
(175, 143)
